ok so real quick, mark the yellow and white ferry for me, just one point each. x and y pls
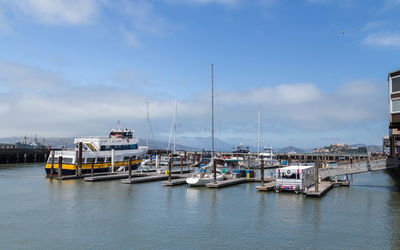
(108, 153)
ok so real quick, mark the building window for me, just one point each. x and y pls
(395, 105)
(395, 84)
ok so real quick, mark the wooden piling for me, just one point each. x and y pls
(169, 168)
(92, 172)
(130, 168)
(79, 170)
(52, 165)
(60, 166)
(215, 170)
(181, 165)
(325, 164)
(262, 172)
(316, 167)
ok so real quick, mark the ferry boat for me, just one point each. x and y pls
(109, 153)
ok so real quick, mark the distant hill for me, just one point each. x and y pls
(291, 149)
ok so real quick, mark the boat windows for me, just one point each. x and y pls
(108, 159)
(126, 158)
(100, 160)
(55, 160)
(89, 160)
(67, 160)
(118, 147)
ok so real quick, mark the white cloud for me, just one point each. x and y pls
(16, 75)
(383, 39)
(144, 18)
(92, 109)
(223, 2)
(60, 11)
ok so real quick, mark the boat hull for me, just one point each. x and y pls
(202, 181)
(70, 169)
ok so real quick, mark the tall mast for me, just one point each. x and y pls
(212, 107)
(176, 113)
(258, 128)
(148, 122)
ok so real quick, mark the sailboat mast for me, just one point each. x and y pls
(212, 107)
(258, 128)
(176, 113)
(148, 121)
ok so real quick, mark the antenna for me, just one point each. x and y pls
(258, 129)
(212, 108)
(176, 114)
(148, 123)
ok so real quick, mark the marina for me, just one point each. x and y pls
(185, 213)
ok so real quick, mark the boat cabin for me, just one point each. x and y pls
(294, 178)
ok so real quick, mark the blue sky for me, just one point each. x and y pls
(317, 68)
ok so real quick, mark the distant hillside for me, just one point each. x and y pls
(291, 149)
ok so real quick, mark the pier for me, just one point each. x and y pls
(11, 155)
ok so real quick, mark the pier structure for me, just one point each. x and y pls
(10, 153)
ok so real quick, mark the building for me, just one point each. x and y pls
(394, 113)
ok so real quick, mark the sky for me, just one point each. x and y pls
(316, 68)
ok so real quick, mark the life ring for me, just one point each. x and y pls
(288, 172)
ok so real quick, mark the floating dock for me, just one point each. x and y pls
(158, 177)
(175, 182)
(233, 181)
(323, 187)
(269, 186)
(112, 177)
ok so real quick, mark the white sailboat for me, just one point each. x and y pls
(202, 178)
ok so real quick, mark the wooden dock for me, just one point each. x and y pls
(233, 181)
(112, 177)
(323, 187)
(158, 177)
(269, 186)
(175, 182)
(82, 176)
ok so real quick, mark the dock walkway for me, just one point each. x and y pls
(149, 178)
(323, 187)
(269, 186)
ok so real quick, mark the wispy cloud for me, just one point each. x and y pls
(383, 39)
(301, 107)
(144, 18)
(55, 12)
(19, 76)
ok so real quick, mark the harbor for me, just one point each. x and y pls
(199, 124)
(185, 214)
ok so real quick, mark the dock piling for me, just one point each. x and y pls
(130, 168)
(215, 170)
(316, 175)
(169, 168)
(92, 171)
(181, 165)
(52, 165)
(79, 170)
(60, 166)
(262, 172)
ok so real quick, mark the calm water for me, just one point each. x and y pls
(36, 213)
